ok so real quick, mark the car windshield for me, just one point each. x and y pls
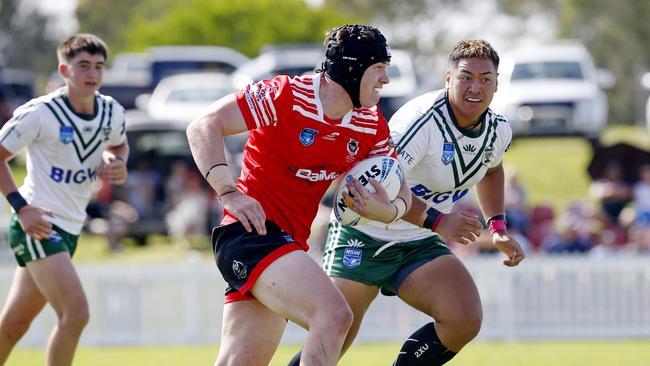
(200, 95)
(547, 70)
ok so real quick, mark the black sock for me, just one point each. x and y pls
(295, 361)
(423, 348)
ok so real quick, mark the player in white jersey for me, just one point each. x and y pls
(72, 136)
(448, 141)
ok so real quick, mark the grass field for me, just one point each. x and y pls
(552, 170)
(567, 353)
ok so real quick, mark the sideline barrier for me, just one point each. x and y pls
(544, 298)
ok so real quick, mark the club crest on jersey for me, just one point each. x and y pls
(307, 136)
(488, 155)
(353, 146)
(352, 257)
(447, 153)
(66, 135)
(107, 131)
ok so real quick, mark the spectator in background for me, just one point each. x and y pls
(190, 213)
(612, 193)
(642, 210)
(99, 214)
(571, 239)
(175, 183)
(137, 208)
(515, 200)
(5, 109)
(141, 190)
(577, 227)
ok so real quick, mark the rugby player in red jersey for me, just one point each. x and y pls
(304, 132)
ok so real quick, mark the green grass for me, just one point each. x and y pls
(94, 248)
(566, 353)
(554, 169)
(633, 135)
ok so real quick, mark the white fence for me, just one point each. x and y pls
(545, 298)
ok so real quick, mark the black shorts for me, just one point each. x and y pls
(242, 256)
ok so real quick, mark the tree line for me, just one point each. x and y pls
(616, 32)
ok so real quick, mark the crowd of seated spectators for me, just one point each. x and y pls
(613, 220)
(179, 206)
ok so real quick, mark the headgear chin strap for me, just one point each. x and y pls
(345, 62)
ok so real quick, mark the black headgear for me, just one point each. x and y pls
(347, 60)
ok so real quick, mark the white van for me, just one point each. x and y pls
(552, 89)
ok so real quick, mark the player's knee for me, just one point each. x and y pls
(343, 318)
(471, 328)
(466, 323)
(338, 317)
(76, 318)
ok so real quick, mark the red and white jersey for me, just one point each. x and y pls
(294, 151)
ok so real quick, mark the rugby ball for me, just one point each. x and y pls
(386, 170)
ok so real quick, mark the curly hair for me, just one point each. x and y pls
(473, 48)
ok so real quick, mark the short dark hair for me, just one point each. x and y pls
(81, 42)
(473, 48)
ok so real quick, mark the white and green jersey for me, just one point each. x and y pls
(442, 163)
(64, 152)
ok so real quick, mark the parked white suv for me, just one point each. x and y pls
(552, 89)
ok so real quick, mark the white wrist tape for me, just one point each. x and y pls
(220, 179)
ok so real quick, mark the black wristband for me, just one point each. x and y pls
(496, 217)
(16, 201)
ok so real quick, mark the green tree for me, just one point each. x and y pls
(115, 29)
(245, 25)
(386, 9)
(415, 24)
(25, 40)
(92, 18)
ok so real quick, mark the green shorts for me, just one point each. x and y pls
(356, 256)
(27, 249)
